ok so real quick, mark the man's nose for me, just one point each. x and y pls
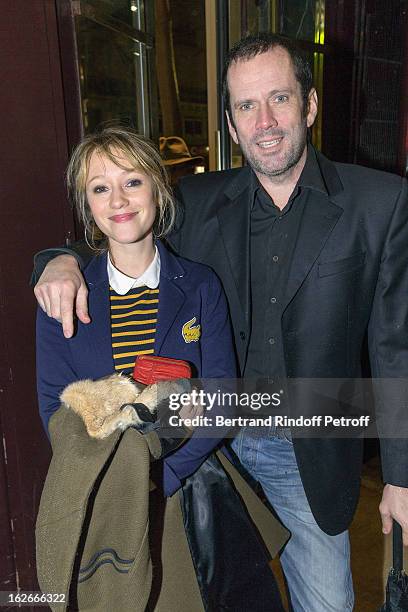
(266, 117)
(118, 198)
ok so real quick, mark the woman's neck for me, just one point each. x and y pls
(132, 259)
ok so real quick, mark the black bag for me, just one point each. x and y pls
(397, 584)
(231, 561)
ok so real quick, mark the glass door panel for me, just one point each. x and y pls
(113, 49)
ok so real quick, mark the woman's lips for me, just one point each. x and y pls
(123, 218)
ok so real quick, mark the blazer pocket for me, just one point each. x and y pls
(341, 265)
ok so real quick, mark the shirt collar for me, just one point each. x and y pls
(122, 284)
(311, 176)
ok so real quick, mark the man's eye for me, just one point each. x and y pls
(281, 98)
(133, 183)
(245, 106)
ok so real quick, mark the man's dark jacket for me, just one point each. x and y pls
(349, 274)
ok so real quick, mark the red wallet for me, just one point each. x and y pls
(149, 369)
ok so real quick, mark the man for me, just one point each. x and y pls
(311, 255)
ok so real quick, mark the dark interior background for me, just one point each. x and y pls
(59, 81)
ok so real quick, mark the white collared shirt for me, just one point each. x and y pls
(121, 283)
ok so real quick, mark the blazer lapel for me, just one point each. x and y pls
(320, 215)
(171, 296)
(234, 223)
(99, 336)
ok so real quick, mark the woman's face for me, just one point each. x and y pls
(121, 200)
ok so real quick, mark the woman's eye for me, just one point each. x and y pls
(99, 189)
(134, 183)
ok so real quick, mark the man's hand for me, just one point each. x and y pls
(60, 285)
(394, 505)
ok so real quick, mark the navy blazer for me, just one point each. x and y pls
(187, 291)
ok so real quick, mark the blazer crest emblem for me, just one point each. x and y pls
(191, 332)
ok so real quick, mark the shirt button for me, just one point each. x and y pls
(242, 335)
(273, 300)
(271, 340)
(275, 258)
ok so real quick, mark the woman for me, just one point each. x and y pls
(145, 300)
(142, 299)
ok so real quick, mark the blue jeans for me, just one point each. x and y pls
(316, 565)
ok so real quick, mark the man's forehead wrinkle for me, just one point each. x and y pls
(251, 91)
(262, 71)
(272, 92)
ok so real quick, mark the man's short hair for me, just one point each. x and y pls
(250, 46)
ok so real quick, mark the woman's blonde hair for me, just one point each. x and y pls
(119, 144)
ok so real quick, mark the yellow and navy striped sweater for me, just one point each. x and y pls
(133, 325)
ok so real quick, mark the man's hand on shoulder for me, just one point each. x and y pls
(60, 285)
(394, 505)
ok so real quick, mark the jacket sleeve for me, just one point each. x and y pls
(80, 250)
(54, 365)
(388, 346)
(218, 362)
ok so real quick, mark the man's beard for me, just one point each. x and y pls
(291, 157)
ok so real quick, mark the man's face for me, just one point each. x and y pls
(268, 118)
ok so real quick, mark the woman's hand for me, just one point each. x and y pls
(189, 412)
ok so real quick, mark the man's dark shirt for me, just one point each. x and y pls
(273, 239)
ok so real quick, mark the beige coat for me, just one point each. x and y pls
(94, 519)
